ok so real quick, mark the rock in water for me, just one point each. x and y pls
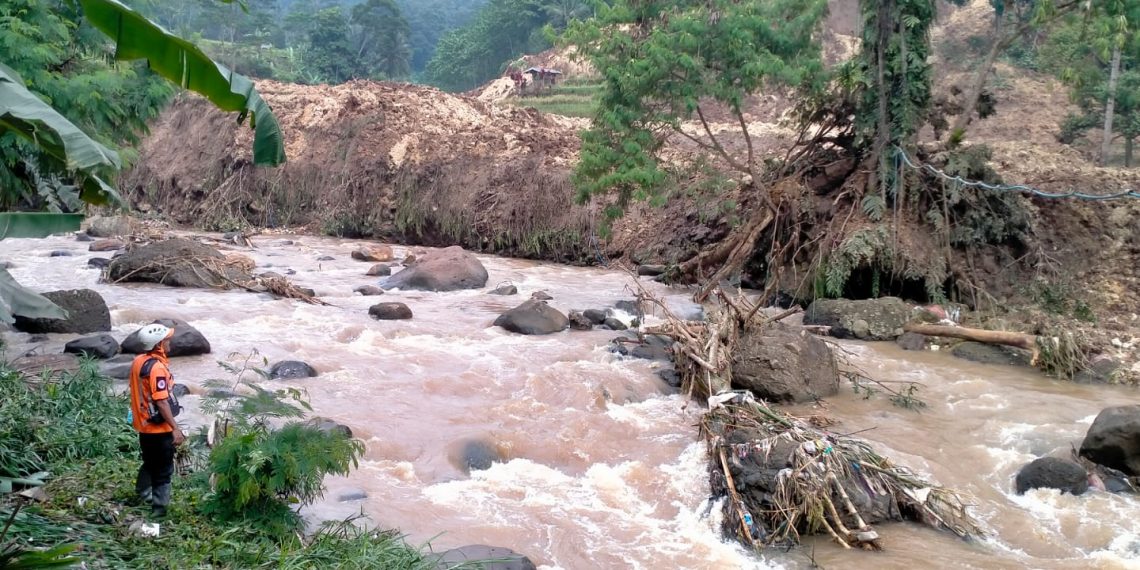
(533, 317)
(650, 270)
(614, 324)
(108, 226)
(991, 353)
(475, 455)
(98, 262)
(379, 270)
(912, 341)
(449, 269)
(505, 290)
(99, 346)
(187, 340)
(1052, 473)
(595, 316)
(579, 322)
(175, 262)
(390, 311)
(106, 245)
(469, 556)
(1113, 439)
(291, 369)
(329, 426)
(869, 319)
(373, 253)
(780, 364)
(86, 313)
(369, 290)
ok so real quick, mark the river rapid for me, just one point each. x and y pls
(602, 466)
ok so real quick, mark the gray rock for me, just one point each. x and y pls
(781, 364)
(352, 495)
(287, 369)
(175, 262)
(670, 376)
(533, 317)
(650, 270)
(1052, 473)
(614, 324)
(595, 316)
(541, 296)
(369, 290)
(1101, 370)
(469, 556)
(1113, 440)
(271, 275)
(98, 262)
(579, 322)
(187, 340)
(653, 347)
(117, 367)
(882, 319)
(476, 455)
(108, 226)
(180, 390)
(505, 290)
(60, 253)
(379, 270)
(449, 269)
(373, 253)
(329, 426)
(631, 307)
(86, 313)
(912, 341)
(83, 237)
(101, 346)
(991, 354)
(326, 258)
(390, 311)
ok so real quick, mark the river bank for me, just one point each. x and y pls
(597, 459)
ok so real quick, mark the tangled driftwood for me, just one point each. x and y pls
(812, 492)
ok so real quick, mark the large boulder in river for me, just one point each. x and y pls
(498, 558)
(86, 313)
(783, 364)
(99, 346)
(533, 317)
(373, 253)
(991, 353)
(187, 340)
(390, 311)
(109, 226)
(1113, 440)
(289, 369)
(178, 263)
(1052, 473)
(449, 269)
(869, 319)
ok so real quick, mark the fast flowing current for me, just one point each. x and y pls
(602, 467)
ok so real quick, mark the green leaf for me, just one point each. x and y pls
(37, 224)
(184, 63)
(15, 299)
(19, 558)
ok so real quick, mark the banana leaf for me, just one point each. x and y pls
(16, 557)
(61, 142)
(15, 299)
(37, 224)
(182, 62)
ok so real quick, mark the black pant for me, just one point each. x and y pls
(158, 461)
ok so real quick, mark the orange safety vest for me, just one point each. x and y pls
(156, 386)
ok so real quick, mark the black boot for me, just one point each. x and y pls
(143, 487)
(161, 500)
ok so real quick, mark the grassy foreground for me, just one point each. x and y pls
(573, 98)
(74, 426)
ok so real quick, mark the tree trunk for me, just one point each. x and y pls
(1015, 339)
(967, 116)
(1110, 107)
(1128, 152)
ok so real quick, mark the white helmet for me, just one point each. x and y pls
(151, 335)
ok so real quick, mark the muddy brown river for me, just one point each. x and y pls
(602, 466)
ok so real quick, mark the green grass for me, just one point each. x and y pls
(571, 99)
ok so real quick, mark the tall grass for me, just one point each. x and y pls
(570, 99)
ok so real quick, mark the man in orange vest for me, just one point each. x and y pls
(152, 414)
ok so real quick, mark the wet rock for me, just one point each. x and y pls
(373, 253)
(271, 275)
(329, 426)
(1113, 440)
(595, 316)
(352, 495)
(650, 270)
(390, 311)
(106, 245)
(6, 265)
(409, 259)
(187, 340)
(99, 346)
(180, 390)
(109, 226)
(991, 353)
(98, 262)
(614, 324)
(117, 367)
(290, 272)
(175, 262)
(912, 341)
(86, 313)
(869, 319)
(1052, 473)
(379, 270)
(60, 253)
(287, 369)
(307, 291)
(653, 347)
(475, 455)
(326, 258)
(541, 296)
(505, 290)
(467, 556)
(448, 269)
(533, 317)
(670, 376)
(369, 290)
(221, 394)
(83, 237)
(631, 307)
(579, 322)
(782, 364)
(1101, 370)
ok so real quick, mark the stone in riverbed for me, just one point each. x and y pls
(469, 556)
(868, 319)
(650, 270)
(287, 369)
(505, 290)
(475, 455)
(177, 262)
(1113, 439)
(390, 311)
(614, 324)
(106, 245)
(99, 346)
(1052, 473)
(98, 262)
(595, 316)
(991, 353)
(329, 426)
(448, 269)
(379, 270)
(579, 322)
(60, 253)
(369, 290)
(187, 340)
(86, 313)
(373, 253)
(533, 317)
(912, 341)
(782, 364)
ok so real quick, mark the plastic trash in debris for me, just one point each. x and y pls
(139, 528)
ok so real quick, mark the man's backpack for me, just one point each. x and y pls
(154, 416)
